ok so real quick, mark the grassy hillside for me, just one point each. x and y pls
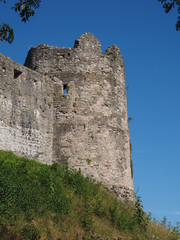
(39, 201)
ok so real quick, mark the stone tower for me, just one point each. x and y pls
(84, 102)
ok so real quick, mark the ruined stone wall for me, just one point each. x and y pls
(90, 122)
(26, 111)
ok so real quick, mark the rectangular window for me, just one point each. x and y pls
(65, 89)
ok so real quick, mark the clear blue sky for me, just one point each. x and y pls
(150, 46)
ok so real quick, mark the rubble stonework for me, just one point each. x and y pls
(69, 105)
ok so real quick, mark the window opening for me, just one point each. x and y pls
(65, 89)
(17, 73)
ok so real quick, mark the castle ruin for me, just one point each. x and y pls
(69, 105)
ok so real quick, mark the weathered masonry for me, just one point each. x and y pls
(69, 105)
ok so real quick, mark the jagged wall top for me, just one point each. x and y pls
(88, 43)
(87, 126)
(87, 50)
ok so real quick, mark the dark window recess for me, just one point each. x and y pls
(17, 73)
(65, 89)
(76, 44)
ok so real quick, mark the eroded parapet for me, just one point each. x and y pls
(88, 43)
(86, 56)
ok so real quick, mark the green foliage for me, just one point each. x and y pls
(139, 215)
(114, 55)
(168, 5)
(26, 9)
(28, 188)
(86, 217)
(176, 229)
(31, 191)
(120, 216)
(6, 33)
(130, 119)
(164, 221)
(88, 160)
(100, 209)
(85, 159)
(31, 232)
(49, 104)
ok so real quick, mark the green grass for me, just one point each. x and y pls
(51, 202)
